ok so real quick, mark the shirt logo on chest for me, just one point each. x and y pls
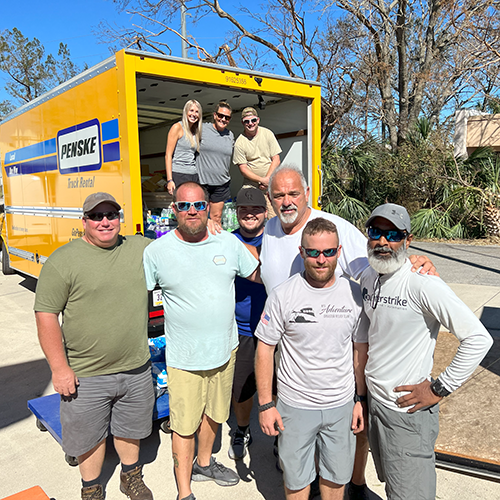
(219, 260)
(304, 315)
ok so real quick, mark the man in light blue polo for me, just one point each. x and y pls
(196, 271)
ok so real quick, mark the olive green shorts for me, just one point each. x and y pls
(194, 393)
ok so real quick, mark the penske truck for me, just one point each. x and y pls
(106, 130)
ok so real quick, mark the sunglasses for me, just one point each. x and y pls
(220, 116)
(99, 216)
(312, 252)
(247, 122)
(391, 235)
(185, 206)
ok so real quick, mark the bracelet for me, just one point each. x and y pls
(170, 180)
(266, 406)
(359, 399)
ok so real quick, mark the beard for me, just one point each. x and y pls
(289, 218)
(192, 229)
(387, 264)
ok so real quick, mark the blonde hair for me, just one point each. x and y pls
(193, 138)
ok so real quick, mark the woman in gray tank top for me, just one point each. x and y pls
(183, 143)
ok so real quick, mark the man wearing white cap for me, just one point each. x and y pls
(405, 310)
(99, 357)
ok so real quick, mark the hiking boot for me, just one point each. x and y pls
(94, 492)
(132, 485)
(239, 444)
(215, 472)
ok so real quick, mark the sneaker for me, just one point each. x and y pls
(215, 472)
(190, 497)
(239, 444)
(357, 492)
(93, 492)
(132, 485)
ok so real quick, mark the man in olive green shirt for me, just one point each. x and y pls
(99, 356)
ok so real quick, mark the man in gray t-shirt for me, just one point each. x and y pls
(315, 318)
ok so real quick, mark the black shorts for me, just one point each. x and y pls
(179, 178)
(218, 193)
(244, 386)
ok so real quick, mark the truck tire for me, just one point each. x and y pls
(6, 269)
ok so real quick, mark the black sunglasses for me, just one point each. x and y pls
(391, 235)
(312, 252)
(252, 120)
(99, 216)
(223, 117)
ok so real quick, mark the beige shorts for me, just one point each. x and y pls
(194, 393)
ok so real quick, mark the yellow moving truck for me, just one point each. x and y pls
(106, 130)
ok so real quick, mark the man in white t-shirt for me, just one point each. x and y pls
(405, 311)
(280, 259)
(315, 318)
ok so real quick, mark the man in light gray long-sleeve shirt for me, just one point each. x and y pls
(405, 310)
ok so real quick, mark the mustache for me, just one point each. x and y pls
(384, 249)
(292, 206)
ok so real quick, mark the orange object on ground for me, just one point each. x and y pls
(35, 493)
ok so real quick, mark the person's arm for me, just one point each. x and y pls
(249, 174)
(174, 135)
(50, 336)
(264, 369)
(275, 163)
(441, 303)
(360, 356)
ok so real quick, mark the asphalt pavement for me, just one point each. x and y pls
(29, 457)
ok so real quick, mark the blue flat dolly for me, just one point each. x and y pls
(46, 411)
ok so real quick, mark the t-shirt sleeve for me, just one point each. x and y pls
(440, 302)
(271, 326)
(353, 258)
(239, 156)
(247, 263)
(149, 269)
(52, 290)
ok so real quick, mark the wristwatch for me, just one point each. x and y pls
(439, 389)
(359, 399)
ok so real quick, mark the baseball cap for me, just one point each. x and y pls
(250, 197)
(249, 111)
(94, 199)
(393, 213)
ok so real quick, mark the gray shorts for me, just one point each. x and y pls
(306, 431)
(402, 447)
(122, 402)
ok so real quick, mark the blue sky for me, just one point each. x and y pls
(73, 22)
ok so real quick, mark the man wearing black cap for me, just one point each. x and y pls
(99, 357)
(405, 310)
(250, 300)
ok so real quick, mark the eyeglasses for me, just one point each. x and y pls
(185, 206)
(312, 252)
(99, 216)
(391, 235)
(252, 120)
(377, 288)
(220, 116)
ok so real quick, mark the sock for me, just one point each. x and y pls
(128, 468)
(357, 486)
(94, 482)
(243, 428)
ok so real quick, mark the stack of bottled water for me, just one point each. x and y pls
(229, 217)
(158, 225)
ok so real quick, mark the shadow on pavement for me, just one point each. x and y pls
(18, 384)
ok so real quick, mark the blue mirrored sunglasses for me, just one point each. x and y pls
(312, 252)
(185, 206)
(391, 235)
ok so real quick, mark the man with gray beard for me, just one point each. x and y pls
(405, 311)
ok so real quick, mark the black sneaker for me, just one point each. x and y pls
(357, 492)
(239, 444)
(215, 472)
